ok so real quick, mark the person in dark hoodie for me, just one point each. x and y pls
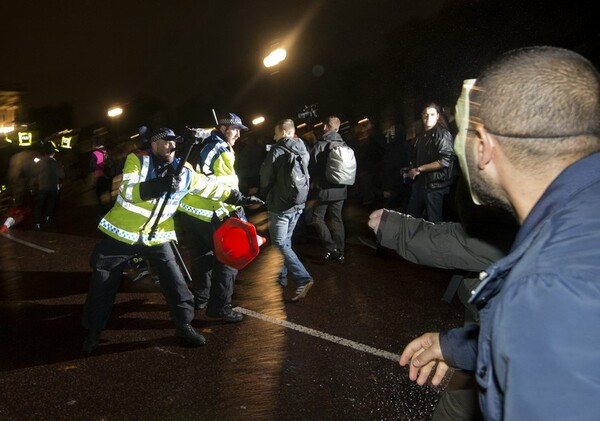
(285, 204)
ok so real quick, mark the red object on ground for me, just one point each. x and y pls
(236, 243)
(13, 216)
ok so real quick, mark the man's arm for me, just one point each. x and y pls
(444, 245)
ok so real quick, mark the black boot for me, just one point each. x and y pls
(189, 335)
(91, 342)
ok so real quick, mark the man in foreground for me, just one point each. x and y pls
(531, 147)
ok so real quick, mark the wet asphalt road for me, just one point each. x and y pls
(333, 355)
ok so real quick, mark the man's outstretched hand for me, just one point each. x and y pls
(424, 356)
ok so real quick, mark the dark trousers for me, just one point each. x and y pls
(427, 203)
(45, 206)
(107, 261)
(334, 239)
(212, 281)
(459, 402)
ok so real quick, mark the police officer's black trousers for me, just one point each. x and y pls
(107, 261)
(213, 282)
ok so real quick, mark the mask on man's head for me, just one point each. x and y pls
(461, 113)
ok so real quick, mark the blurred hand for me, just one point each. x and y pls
(251, 200)
(425, 356)
(413, 173)
(198, 133)
(375, 219)
(237, 198)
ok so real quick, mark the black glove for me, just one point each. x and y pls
(237, 198)
(156, 187)
(251, 200)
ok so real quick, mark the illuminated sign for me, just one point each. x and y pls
(65, 142)
(25, 138)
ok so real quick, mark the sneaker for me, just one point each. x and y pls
(334, 256)
(189, 335)
(302, 290)
(227, 316)
(91, 342)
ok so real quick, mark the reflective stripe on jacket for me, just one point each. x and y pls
(131, 219)
(217, 162)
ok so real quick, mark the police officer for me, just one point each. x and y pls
(213, 281)
(148, 175)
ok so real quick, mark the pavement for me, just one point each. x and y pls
(332, 355)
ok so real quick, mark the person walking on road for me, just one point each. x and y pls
(285, 182)
(329, 197)
(49, 173)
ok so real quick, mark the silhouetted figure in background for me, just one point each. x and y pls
(396, 158)
(48, 175)
(100, 169)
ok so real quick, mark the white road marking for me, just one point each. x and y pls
(166, 351)
(331, 338)
(27, 243)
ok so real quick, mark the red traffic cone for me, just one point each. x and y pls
(13, 216)
(236, 243)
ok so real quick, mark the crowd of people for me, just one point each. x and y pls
(525, 149)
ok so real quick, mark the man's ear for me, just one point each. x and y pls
(485, 148)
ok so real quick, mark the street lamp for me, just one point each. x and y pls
(275, 57)
(115, 112)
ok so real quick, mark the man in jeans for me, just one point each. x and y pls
(284, 213)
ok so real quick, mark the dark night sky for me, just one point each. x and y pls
(97, 53)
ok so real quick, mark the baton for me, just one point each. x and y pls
(178, 172)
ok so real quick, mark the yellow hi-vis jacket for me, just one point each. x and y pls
(131, 219)
(216, 161)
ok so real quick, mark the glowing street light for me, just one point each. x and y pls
(275, 57)
(258, 120)
(115, 112)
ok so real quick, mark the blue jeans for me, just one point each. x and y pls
(281, 228)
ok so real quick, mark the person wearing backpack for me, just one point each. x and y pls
(330, 180)
(284, 180)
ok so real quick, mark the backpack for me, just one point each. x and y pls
(340, 167)
(292, 178)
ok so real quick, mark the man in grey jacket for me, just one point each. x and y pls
(329, 197)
